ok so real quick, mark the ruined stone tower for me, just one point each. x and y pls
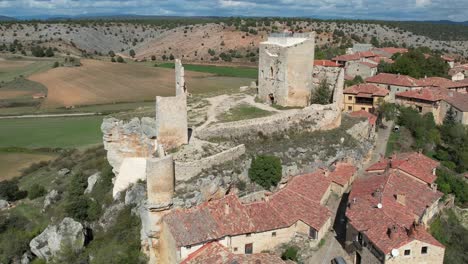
(285, 69)
(171, 114)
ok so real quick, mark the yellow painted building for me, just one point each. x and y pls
(363, 97)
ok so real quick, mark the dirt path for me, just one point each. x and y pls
(251, 100)
(49, 115)
(213, 110)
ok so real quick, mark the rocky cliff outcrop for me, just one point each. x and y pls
(69, 232)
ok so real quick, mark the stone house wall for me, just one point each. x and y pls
(394, 89)
(186, 170)
(460, 116)
(434, 255)
(356, 68)
(311, 118)
(423, 107)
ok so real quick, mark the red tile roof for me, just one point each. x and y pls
(368, 64)
(458, 100)
(365, 88)
(375, 223)
(228, 216)
(326, 63)
(441, 82)
(343, 172)
(430, 94)
(416, 164)
(362, 113)
(215, 253)
(354, 56)
(393, 79)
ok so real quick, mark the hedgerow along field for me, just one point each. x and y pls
(240, 72)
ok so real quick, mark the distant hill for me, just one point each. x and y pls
(6, 18)
(464, 23)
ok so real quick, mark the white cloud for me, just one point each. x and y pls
(423, 3)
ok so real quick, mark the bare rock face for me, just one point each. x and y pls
(92, 181)
(133, 139)
(4, 204)
(50, 198)
(48, 243)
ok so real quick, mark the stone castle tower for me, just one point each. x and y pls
(285, 69)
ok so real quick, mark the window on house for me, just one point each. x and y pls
(350, 98)
(424, 250)
(350, 108)
(273, 234)
(312, 233)
(407, 252)
(235, 249)
(249, 248)
(363, 108)
(188, 247)
(248, 235)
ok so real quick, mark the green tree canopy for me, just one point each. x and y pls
(322, 95)
(265, 171)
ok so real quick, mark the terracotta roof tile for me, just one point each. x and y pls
(458, 100)
(343, 172)
(326, 63)
(366, 217)
(441, 82)
(215, 253)
(362, 113)
(431, 94)
(393, 79)
(298, 200)
(365, 88)
(392, 50)
(413, 163)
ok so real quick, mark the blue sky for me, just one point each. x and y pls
(456, 10)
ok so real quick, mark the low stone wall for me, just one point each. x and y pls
(361, 131)
(186, 170)
(311, 118)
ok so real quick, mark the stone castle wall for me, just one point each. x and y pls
(171, 121)
(285, 71)
(335, 80)
(311, 118)
(160, 181)
(187, 170)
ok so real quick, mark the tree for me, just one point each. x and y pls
(387, 111)
(112, 59)
(49, 52)
(322, 94)
(112, 53)
(356, 80)
(132, 53)
(265, 171)
(449, 119)
(171, 57)
(56, 64)
(153, 57)
(10, 191)
(120, 59)
(290, 253)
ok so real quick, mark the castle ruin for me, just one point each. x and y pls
(285, 69)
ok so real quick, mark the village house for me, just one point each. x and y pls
(363, 97)
(394, 83)
(389, 209)
(449, 60)
(459, 105)
(388, 52)
(345, 60)
(215, 253)
(254, 227)
(425, 100)
(459, 72)
(361, 68)
(460, 87)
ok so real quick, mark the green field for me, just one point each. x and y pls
(11, 164)
(241, 72)
(8, 74)
(57, 132)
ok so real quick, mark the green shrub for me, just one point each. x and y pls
(265, 171)
(322, 95)
(290, 253)
(36, 191)
(120, 59)
(10, 191)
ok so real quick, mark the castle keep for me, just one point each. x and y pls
(285, 69)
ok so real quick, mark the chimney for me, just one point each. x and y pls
(391, 231)
(401, 199)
